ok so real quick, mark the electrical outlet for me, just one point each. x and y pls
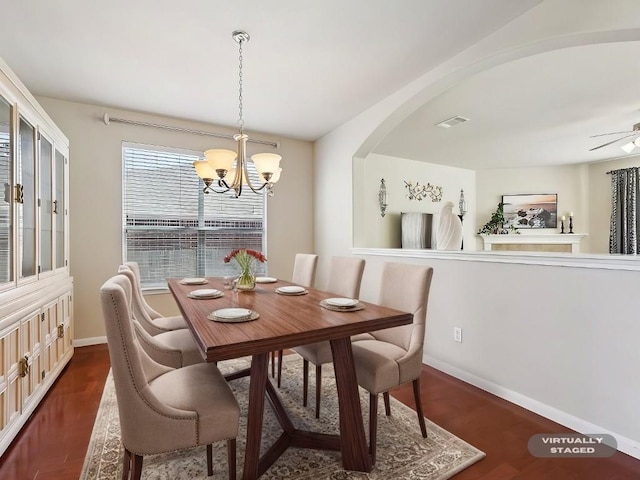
(457, 334)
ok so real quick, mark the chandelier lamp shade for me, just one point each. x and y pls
(223, 170)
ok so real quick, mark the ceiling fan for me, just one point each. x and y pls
(628, 134)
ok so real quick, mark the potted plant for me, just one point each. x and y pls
(496, 224)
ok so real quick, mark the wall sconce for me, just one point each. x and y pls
(382, 198)
(419, 192)
(462, 205)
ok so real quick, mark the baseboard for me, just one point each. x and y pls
(625, 445)
(85, 342)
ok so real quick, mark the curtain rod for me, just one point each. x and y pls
(108, 119)
(620, 169)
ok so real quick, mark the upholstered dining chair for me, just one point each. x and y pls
(157, 320)
(162, 409)
(388, 358)
(345, 276)
(304, 269)
(304, 274)
(173, 348)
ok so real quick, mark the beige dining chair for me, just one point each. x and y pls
(388, 358)
(162, 409)
(157, 320)
(174, 348)
(304, 274)
(345, 277)
(304, 269)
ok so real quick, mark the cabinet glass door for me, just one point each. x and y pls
(59, 208)
(46, 206)
(26, 199)
(6, 240)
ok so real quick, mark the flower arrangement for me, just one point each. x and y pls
(245, 259)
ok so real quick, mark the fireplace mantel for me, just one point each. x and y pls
(541, 242)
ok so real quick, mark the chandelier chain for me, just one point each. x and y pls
(230, 169)
(240, 120)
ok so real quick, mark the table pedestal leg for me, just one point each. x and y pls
(355, 452)
(257, 386)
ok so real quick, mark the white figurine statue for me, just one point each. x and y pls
(449, 232)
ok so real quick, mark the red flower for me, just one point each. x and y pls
(255, 254)
(232, 254)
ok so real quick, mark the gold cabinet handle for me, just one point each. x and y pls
(60, 331)
(19, 193)
(23, 367)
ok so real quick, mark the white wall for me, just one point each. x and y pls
(372, 230)
(559, 341)
(95, 169)
(576, 324)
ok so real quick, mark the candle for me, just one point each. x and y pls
(563, 218)
(571, 214)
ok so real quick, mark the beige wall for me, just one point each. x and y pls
(96, 198)
(587, 199)
(570, 182)
(372, 230)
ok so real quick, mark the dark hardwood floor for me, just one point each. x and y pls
(53, 443)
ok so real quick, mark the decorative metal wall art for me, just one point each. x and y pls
(419, 192)
(382, 198)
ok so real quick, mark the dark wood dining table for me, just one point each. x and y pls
(287, 321)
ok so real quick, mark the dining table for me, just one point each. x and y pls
(286, 321)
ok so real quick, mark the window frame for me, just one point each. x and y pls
(204, 234)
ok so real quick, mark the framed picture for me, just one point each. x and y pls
(531, 211)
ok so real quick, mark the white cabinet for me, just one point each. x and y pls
(11, 356)
(56, 335)
(36, 290)
(30, 364)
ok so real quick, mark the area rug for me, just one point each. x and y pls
(402, 452)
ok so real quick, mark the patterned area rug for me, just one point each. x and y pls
(402, 452)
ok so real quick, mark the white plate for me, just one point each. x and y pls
(205, 292)
(266, 280)
(342, 302)
(232, 313)
(290, 289)
(194, 281)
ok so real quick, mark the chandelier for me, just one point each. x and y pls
(228, 169)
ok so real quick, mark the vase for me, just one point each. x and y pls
(246, 281)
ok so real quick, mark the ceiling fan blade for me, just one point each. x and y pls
(614, 141)
(612, 133)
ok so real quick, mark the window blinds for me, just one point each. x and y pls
(172, 229)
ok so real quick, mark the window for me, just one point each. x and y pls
(172, 229)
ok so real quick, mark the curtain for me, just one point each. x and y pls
(625, 187)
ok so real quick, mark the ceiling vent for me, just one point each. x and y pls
(452, 122)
